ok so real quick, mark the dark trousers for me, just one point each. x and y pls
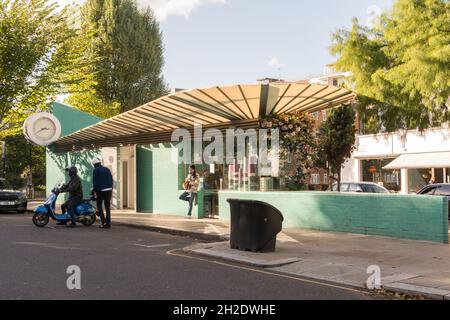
(104, 197)
(192, 199)
(71, 205)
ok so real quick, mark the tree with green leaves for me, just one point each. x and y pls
(127, 57)
(337, 140)
(24, 162)
(401, 65)
(40, 47)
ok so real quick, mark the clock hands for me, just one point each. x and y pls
(42, 130)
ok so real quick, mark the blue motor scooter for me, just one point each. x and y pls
(85, 212)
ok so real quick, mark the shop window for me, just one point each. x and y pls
(372, 171)
(245, 174)
(439, 175)
(183, 168)
(418, 178)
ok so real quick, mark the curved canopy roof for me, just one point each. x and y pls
(219, 106)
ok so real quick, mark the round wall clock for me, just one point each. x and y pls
(42, 128)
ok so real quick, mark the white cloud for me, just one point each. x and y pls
(275, 63)
(165, 8)
(374, 12)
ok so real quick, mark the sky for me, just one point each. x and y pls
(220, 42)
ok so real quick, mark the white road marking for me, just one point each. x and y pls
(49, 245)
(210, 228)
(152, 246)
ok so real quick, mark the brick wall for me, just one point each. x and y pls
(400, 216)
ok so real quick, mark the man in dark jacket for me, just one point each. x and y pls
(75, 190)
(103, 185)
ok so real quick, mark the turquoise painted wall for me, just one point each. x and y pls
(165, 183)
(162, 190)
(71, 120)
(400, 216)
(144, 179)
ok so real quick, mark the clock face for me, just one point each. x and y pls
(42, 128)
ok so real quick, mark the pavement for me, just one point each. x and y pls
(127, 263)
(414, 268)
(202, 229)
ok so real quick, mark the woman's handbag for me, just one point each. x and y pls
(186, 185)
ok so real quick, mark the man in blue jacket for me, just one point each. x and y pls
(103, 185)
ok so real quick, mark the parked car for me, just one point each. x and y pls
(437, 189)
(11, 200)
(363, 187)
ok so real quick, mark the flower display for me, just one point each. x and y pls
(298, 144)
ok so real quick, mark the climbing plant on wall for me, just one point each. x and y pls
(298, 145)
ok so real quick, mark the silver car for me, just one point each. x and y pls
(363, 187)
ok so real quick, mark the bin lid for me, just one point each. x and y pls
(257, 202)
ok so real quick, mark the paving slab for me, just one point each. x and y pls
(441, 280)
(397, 277)
(410, 289)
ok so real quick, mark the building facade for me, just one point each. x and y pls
(424, 156)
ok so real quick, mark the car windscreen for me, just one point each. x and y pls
(354, 187)
(344, 187)
(428, 190)
(371, 188)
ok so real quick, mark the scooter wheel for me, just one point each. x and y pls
(40, 219)
(90, 221)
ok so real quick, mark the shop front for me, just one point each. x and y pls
(403, 162)
(372, 170)
(422, 168)
(148, 179)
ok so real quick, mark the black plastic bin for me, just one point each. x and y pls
(254, 225)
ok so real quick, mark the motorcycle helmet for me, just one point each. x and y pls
(72, 170)
(96, 161)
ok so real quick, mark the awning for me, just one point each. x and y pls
(219, 106)
(420, 160)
